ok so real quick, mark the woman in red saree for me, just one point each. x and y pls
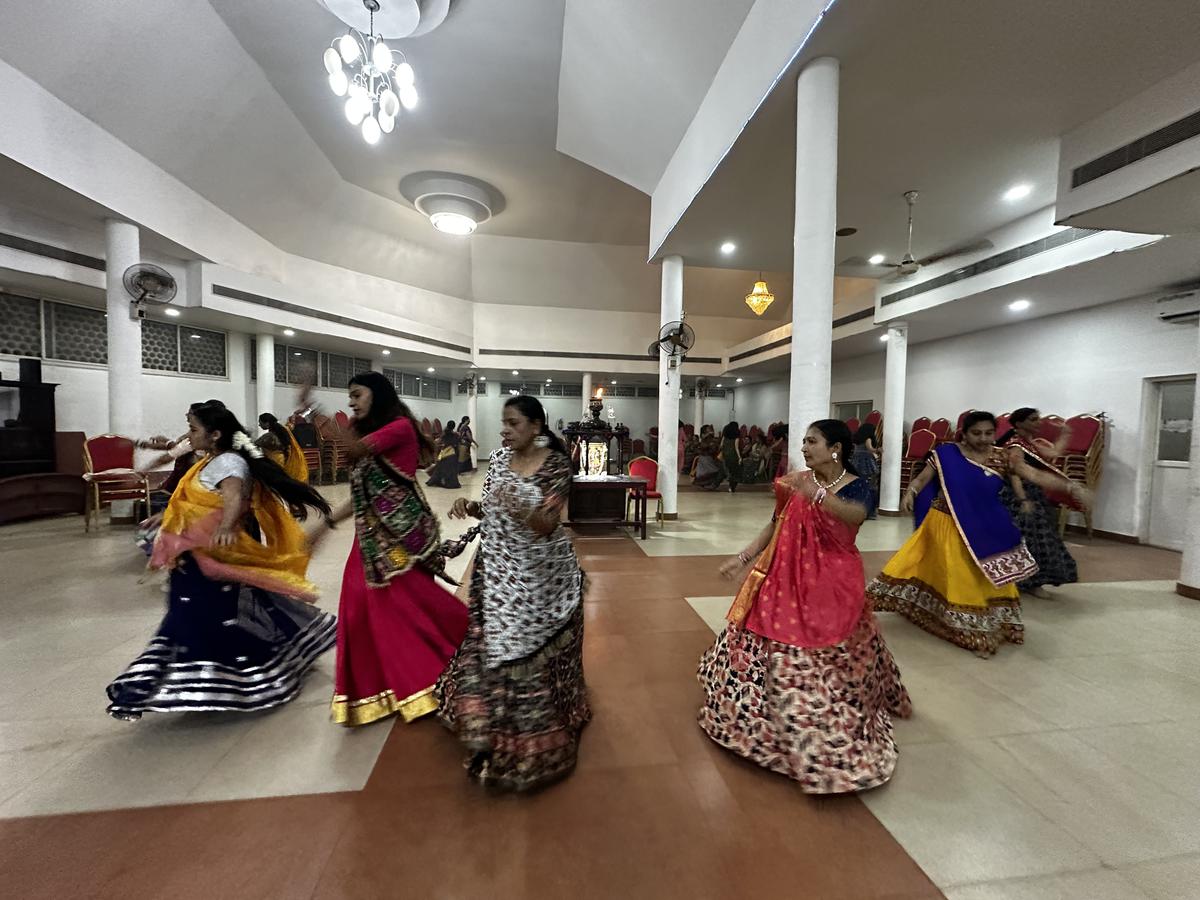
(801, 681)
(397, 627)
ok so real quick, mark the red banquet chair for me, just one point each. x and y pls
(645, 467)
(639, 447)
(1050, 428)
(437, 428)
(426, 428)
(922, 423)
(941, 430)
(343, 420)
(1003, 425)
(853, 424)
(109, 473)
(919, 445)
(874, 417)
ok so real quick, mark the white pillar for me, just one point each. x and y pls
(587, 395)
(668, 390)
(264, 348)
(698, 411)
(1189, 573)
(473, 415)
(894, 380)
(122, 250)
(812, 249)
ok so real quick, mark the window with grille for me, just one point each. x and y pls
(572, 390)
(647, 391)
(202, 352)
(337, 370)
(21, 334)
(443, 389)
(75, 333)
(301, 365)
(360, 365)
(410, 385)
(620, 390)
(508, 387)
(160, 346)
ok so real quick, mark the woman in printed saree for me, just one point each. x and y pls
(281, 447)
(445, 471)
(1029, 504)
(239, 633)
(397, 627)
(801, 681)
(514, 694)
(466, 440)
(866, 461)
(957, 575)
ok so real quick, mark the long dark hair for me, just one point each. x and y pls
(731, 431)
(296, 494)
(531, 409)
(280, 431)
(866, 432)
(386, 406)
(835, 431)
(1018, 416)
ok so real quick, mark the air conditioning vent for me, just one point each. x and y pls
(1178, 309)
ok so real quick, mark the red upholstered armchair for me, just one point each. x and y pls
(108, 470)
(645, 467)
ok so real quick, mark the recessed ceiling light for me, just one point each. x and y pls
(1018, 192)
(287, 332)
(431, 370)
(172, 313)
(877, 259)
(739, 381)
(1019, 305)
(296, 353)
(720, 385)
(883, 337)
(549, 380)
(387, 352)
(515, 372)
(196, 337)
(728, 247)
(614, 381)
(483, 378)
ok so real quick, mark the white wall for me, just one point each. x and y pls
(761, 403)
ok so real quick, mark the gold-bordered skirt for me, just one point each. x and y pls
(934, 583)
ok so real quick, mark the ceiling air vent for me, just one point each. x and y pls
(1168, 136)
(1178, 309)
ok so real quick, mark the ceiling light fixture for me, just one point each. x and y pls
(614, 381)
(739, 381)
(728, 247)
(375, 79)
(877, 259)
(173, 313)
(287, 332)
(483, 378)
(720, 385)
(1019, 305)
(455, 204)
(387, 352)
(1018, 192)
(760, 298)
(883, 337)
(515, 372)
(431, 370)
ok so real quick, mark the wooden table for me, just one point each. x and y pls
(603, 499)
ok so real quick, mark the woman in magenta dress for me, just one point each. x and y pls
(397, 628)
(801, 681)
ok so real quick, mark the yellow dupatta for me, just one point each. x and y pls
(278, 563)
(294, 462)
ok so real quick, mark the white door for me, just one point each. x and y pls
(1169, 483)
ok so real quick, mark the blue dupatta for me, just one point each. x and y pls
(972, 494)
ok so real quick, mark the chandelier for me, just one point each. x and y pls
(759, 298)
(375, 80)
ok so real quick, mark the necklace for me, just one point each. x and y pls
(832, 484)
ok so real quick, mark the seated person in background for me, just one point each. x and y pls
(709, 472)
(756, 460)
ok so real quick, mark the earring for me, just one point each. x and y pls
(835, 456)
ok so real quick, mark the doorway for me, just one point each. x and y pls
(1173, 405)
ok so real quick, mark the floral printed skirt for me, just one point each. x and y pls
(822, 716)
(519, 722)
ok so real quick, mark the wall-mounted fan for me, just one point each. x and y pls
(676, 338)
(148, 284)
(701, 387)
(910, 265)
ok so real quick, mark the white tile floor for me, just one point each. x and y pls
(73, 614)
(1060, 770)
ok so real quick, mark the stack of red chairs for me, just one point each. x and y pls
(921, 423)
(1081, 458)
(919, 444)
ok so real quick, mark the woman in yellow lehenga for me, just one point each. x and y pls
(957, 575)
(239, 633)
(281, 447)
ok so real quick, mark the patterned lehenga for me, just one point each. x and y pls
(514, 694)
(801, 682)
(1056, 566)
(956, 576)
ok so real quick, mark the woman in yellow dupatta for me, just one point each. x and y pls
(801, 682)
(281, 447)
(240, 631)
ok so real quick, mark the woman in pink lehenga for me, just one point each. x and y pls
(801, 681)
(397, 628)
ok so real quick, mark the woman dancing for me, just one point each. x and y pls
(466, 440)
(1027, 503)
(237, 634)
(396, 626)
(866, 461)
(957, 575)
(514, 694)
(281, 447)
(445, 472)
(801, 681)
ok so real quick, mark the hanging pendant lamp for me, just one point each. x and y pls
(760, 298)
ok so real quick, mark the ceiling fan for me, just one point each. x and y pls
(910, 265)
